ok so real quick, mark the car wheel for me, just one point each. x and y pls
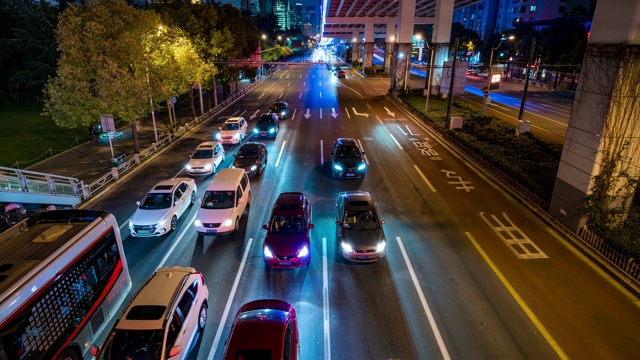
(69, 355)
(193, 198)
(202, 317)
(174, 222)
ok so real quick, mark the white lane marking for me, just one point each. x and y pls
(261, 96)
(499, 107)
(280, 154)
(368, 106)
(320, 93)
(320, 113)
(402, 131)
(227, 307)
(362, 148)
(304, 83)
(289, 84)
(272, 84)
(396, 141)
(320, 83)
(425, 305)
(180, 237)
(294, 113)
(234, 113)
(242, 113)
(280, 95)
(299, 96)
(325, 302)
(347, 111)
(424, 178)
(380, 121)
(321, 153)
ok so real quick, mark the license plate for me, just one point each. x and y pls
(264, 133)
(212, 230)
(364, 257)
(351, 174)
(285, 263)
(146, 232)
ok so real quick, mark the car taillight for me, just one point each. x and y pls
(202, 277)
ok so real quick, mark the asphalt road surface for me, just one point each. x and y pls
(470, 272)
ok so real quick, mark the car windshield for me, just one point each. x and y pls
(247, 154)
(156, 201)
(230, 126)
(348, 152)
(360, 220)
(133, 344)
(265, 120)
(286, 224)
(277, 106)
(218, 199)
(202, 154)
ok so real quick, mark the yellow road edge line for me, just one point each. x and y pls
(554, 345)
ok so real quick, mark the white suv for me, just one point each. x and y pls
(232, 131)
(224, 203)
(163, 319)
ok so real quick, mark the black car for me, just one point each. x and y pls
(281, 109)
(347, 159)
(252, 157)
(267, 127)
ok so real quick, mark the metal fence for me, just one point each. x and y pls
(12, 179)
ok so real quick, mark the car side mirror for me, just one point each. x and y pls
(138, 203)
(311, 226)
(240, 201)
(338, 223)
(94, 350)
(381, 222)
(175, 351)
(265, 227)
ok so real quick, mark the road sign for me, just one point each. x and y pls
(107, 123)
(494, 84)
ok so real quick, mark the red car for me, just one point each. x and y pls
(288, 244)
(264, 329)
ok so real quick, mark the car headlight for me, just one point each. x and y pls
(272, 130)
(255, 130)
(346, 247)
(227, 222)
(362, 166)
(197, 223)
(207, 167)
(236, 135)
(381, 246)
(304, 252)
(282, 113)
(337, 167)
(161, 222)
(267, 253)
(218, 136)
(188, 167)
(130, 224)
(254, 167)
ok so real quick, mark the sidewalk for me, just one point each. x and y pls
(91, 160)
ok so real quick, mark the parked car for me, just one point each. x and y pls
(287, 243)
(224, 203)
(281, 109)
(359, 228)
(159, 211)
(232, 131)
(268, 125)
(341, 74)
(163, 319)
(347, 159)
(264, 329)
(205, 159)
(252, 157)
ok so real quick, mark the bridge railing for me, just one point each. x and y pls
(26, 181)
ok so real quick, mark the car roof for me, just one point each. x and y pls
(234, 119)
(280, 103)
(289, 202)
(346, 142)
(160, 290)
(226, 179)
(252, 145)
(206, 145)
(168, 185)
(357, 199)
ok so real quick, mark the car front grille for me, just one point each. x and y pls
(138, 228)
(211, 225)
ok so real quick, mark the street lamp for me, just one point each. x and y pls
(486, 96)
(428, 78)
(526, 80)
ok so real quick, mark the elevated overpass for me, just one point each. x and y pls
(34, 188)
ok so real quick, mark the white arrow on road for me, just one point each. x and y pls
(334, 113)
(308, 114)
(254, 114)
(389, 112)
(355, 112)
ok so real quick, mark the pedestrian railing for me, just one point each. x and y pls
(25, 181)
(621, 261)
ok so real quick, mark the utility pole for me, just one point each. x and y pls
(526, 80)
(451, 84)
(490, 73)
(428, 77)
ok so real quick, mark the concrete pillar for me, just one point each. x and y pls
(440, 40)
(356, 42)
(404, 29)
(604, 124)
(368, 45)
(389, 40)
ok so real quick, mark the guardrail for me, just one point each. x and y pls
(12, 179)
(99, 184)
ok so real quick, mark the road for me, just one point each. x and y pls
(470, 272)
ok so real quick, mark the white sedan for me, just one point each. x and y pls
(232, 131)
(159, 211)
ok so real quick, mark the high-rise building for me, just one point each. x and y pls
(281, 10)
(251, 6)
(312, 17)
(296, 16)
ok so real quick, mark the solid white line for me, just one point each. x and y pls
(227, 307)
(424, 178)
(280, 154)
(425, 305)
(380, 121)
(347, 111)
(368, 106)
(180, 237)
(362, 148)
(294, 113)
(325, 302)
(396, 141)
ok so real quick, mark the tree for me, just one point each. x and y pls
(467, 38)
(102, 65)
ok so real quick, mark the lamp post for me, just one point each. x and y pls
(451, 84)
(526, 80)
(486, 94)
(428, 78)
